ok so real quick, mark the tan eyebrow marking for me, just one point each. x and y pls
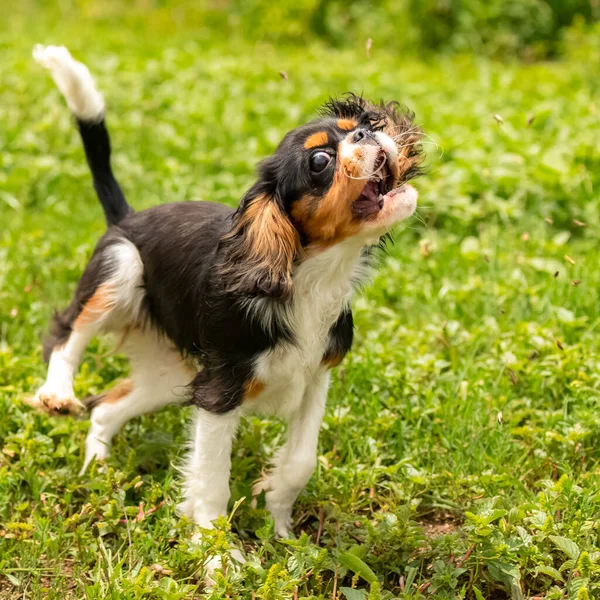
(346, 124)
(316, 139)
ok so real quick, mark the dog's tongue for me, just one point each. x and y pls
(368, 202)
(371, 191)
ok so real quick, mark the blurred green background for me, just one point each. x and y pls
(460, 452)
(528, 29)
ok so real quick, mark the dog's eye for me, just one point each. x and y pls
(319, 161)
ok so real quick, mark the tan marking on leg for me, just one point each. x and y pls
(347, 124)
(99, 304)
(252, 388)
(112, 396)
(316, 139)
(123, 388)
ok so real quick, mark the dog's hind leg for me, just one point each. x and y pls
(108, 295)
(159, 376)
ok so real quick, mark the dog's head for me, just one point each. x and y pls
(343, 175)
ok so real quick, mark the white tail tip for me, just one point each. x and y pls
(74, 81)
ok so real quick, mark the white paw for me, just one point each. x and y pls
(205, 518)
(186, 509)
(95, 449)
(281, 513)
(280, 509)
(215, 563)
(261, 485)
(201, 512)
(56, 400)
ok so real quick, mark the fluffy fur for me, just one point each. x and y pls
(235, 311)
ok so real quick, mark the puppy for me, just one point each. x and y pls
(234, 311)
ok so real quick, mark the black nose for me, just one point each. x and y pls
(359, 134)
(363, 136)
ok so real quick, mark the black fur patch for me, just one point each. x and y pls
(341, 335)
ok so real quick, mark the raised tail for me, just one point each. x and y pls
(76, 84)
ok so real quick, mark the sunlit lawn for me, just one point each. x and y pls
(459, 454)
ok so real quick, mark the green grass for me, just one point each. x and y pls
(459, 456)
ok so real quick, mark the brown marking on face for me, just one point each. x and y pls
(122, 389)
(316, 139)
(100, 303)
(252, 388)
(329, 219)
(265, 240)
(347, 124)
(352, 165)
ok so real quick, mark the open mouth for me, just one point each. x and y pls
(372, 198)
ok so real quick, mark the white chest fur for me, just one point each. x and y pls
(323, 287)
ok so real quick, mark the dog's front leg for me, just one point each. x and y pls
(296, 460)
(208, 464)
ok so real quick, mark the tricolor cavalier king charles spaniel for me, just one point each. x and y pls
(233, 311)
